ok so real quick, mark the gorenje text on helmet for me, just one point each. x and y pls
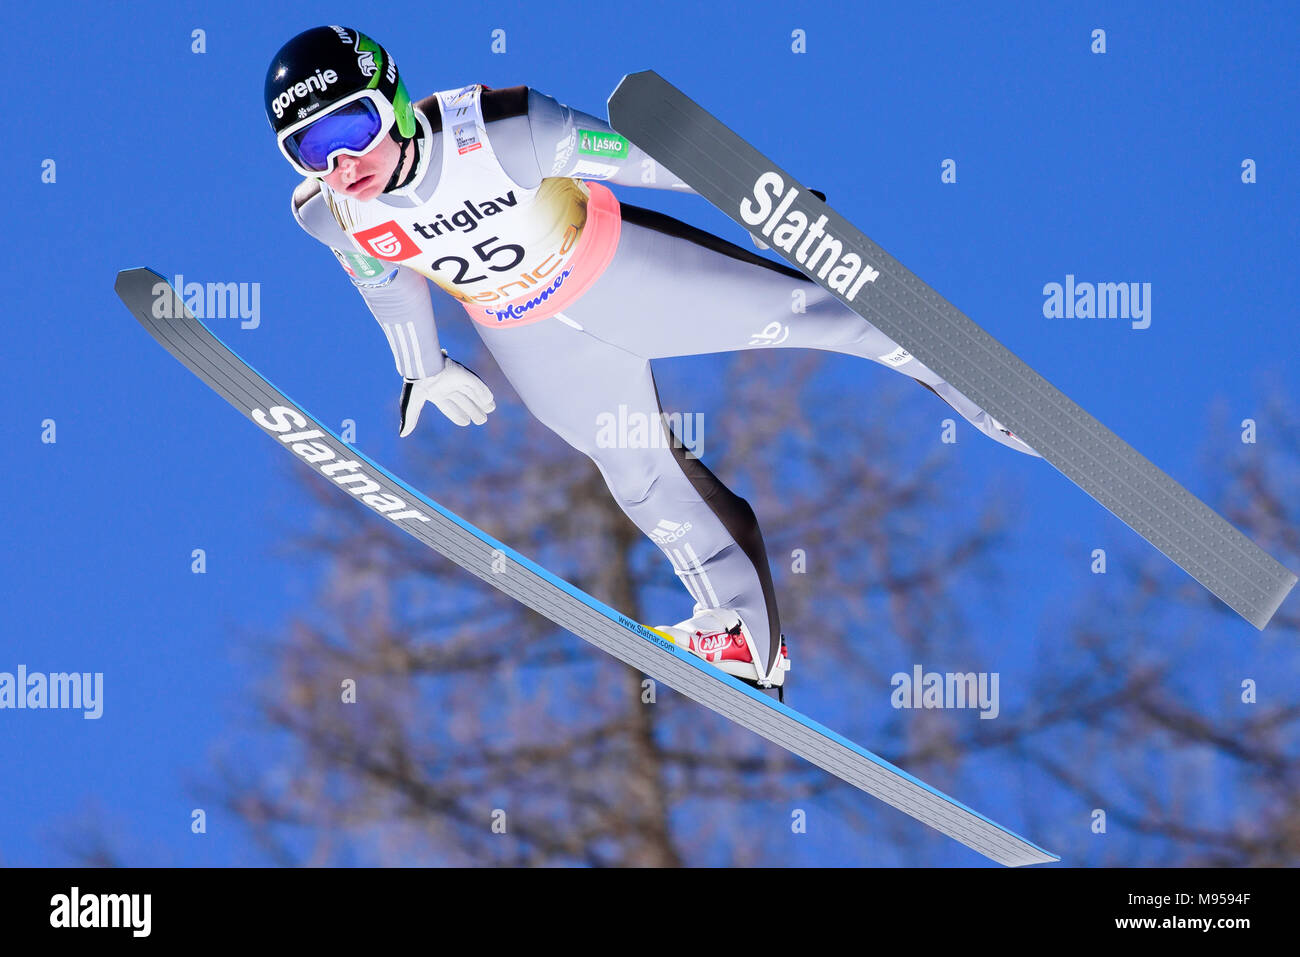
(301, 89)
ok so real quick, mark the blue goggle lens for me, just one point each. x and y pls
(354, 126)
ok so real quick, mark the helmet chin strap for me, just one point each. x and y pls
(401, 160)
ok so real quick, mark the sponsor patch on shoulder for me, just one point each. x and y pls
(600, 143)
(364, 270)
(466, 138)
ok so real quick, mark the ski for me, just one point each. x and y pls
(153, 301)
(775, 208)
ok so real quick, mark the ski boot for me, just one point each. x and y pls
(719, 636)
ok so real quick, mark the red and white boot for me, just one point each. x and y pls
(719, 636)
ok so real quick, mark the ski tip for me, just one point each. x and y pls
(127, 278)
(639, 78)
(634, 85)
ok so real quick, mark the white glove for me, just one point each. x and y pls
(458, 393)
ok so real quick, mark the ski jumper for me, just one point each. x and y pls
(574, 294)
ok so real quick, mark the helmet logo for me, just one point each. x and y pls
(301, 90)
(366, 63)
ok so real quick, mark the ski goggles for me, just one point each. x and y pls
(354, 126)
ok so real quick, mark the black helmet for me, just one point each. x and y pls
(329, 69)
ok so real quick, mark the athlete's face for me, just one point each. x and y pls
(364, 177)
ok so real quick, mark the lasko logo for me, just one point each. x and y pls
(366, 63)
(349, 474)
(596, 143)
(301, 90)
(786, 226)
(387, 241)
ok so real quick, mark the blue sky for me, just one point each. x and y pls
(1116, 167)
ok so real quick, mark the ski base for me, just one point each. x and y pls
(153, 301)
(770, 204)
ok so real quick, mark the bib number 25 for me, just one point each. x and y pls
(487, 254)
